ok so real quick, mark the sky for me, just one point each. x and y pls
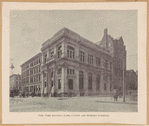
(29, 29)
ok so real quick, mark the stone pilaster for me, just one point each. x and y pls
(55, 52)
(102, 62)
(86, 82)
(77, 81)
(101, 82)
(108, 84)
(63, 80)
(77, 52)
(48, 53)
(42, 61)
(64, 49)
(42, 84)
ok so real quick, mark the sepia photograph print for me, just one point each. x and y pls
(69, 68)
(75, 63)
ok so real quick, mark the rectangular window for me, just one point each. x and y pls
(45, 58)
(44, 74)
(39, 68)
(110, 65)
(90, 59)
(105, 64)
(70, 52)
(81, 56)
(105, 86)
(59, 51)
(67, 70)
(59, 71)
(110, 87)
(98, 61)
(52, 53)
(70, 71)
(105, 77)
(70, 83)
(31, 79)
(59, 83)
(39, 77)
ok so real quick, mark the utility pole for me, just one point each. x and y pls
(123, 79)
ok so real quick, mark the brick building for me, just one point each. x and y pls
(71, 64)
(131, 80)
(31, 75)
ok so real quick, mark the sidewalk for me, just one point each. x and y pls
(107, 99)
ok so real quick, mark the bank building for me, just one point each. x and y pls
(70, 64)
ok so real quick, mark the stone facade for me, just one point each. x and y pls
(74, 66)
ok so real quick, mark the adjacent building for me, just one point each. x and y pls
(31, 75)
(131, 80)
(15, 82)
(71, 64)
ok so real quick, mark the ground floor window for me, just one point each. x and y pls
(105, 86)
(110, 87)
(98, 82)
(70, 83)
(45, 84)
(31, 88)
(90, 81)
(81, 85)
(59, 83)
(115, 87)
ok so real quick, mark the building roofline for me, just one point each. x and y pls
(31, 59)
(65, 32)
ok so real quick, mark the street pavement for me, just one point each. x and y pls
(72, 104)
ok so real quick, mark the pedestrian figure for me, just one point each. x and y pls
(115, 94)
(45, 92)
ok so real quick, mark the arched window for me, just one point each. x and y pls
(98, 82)
(70, 52)
(59, 51)
(81, 81)
(90, 81)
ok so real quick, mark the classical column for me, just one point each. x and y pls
(54, 81)
(85, 73)
(42, 83)
(63, 80)
(101, 82)
(77, 82)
